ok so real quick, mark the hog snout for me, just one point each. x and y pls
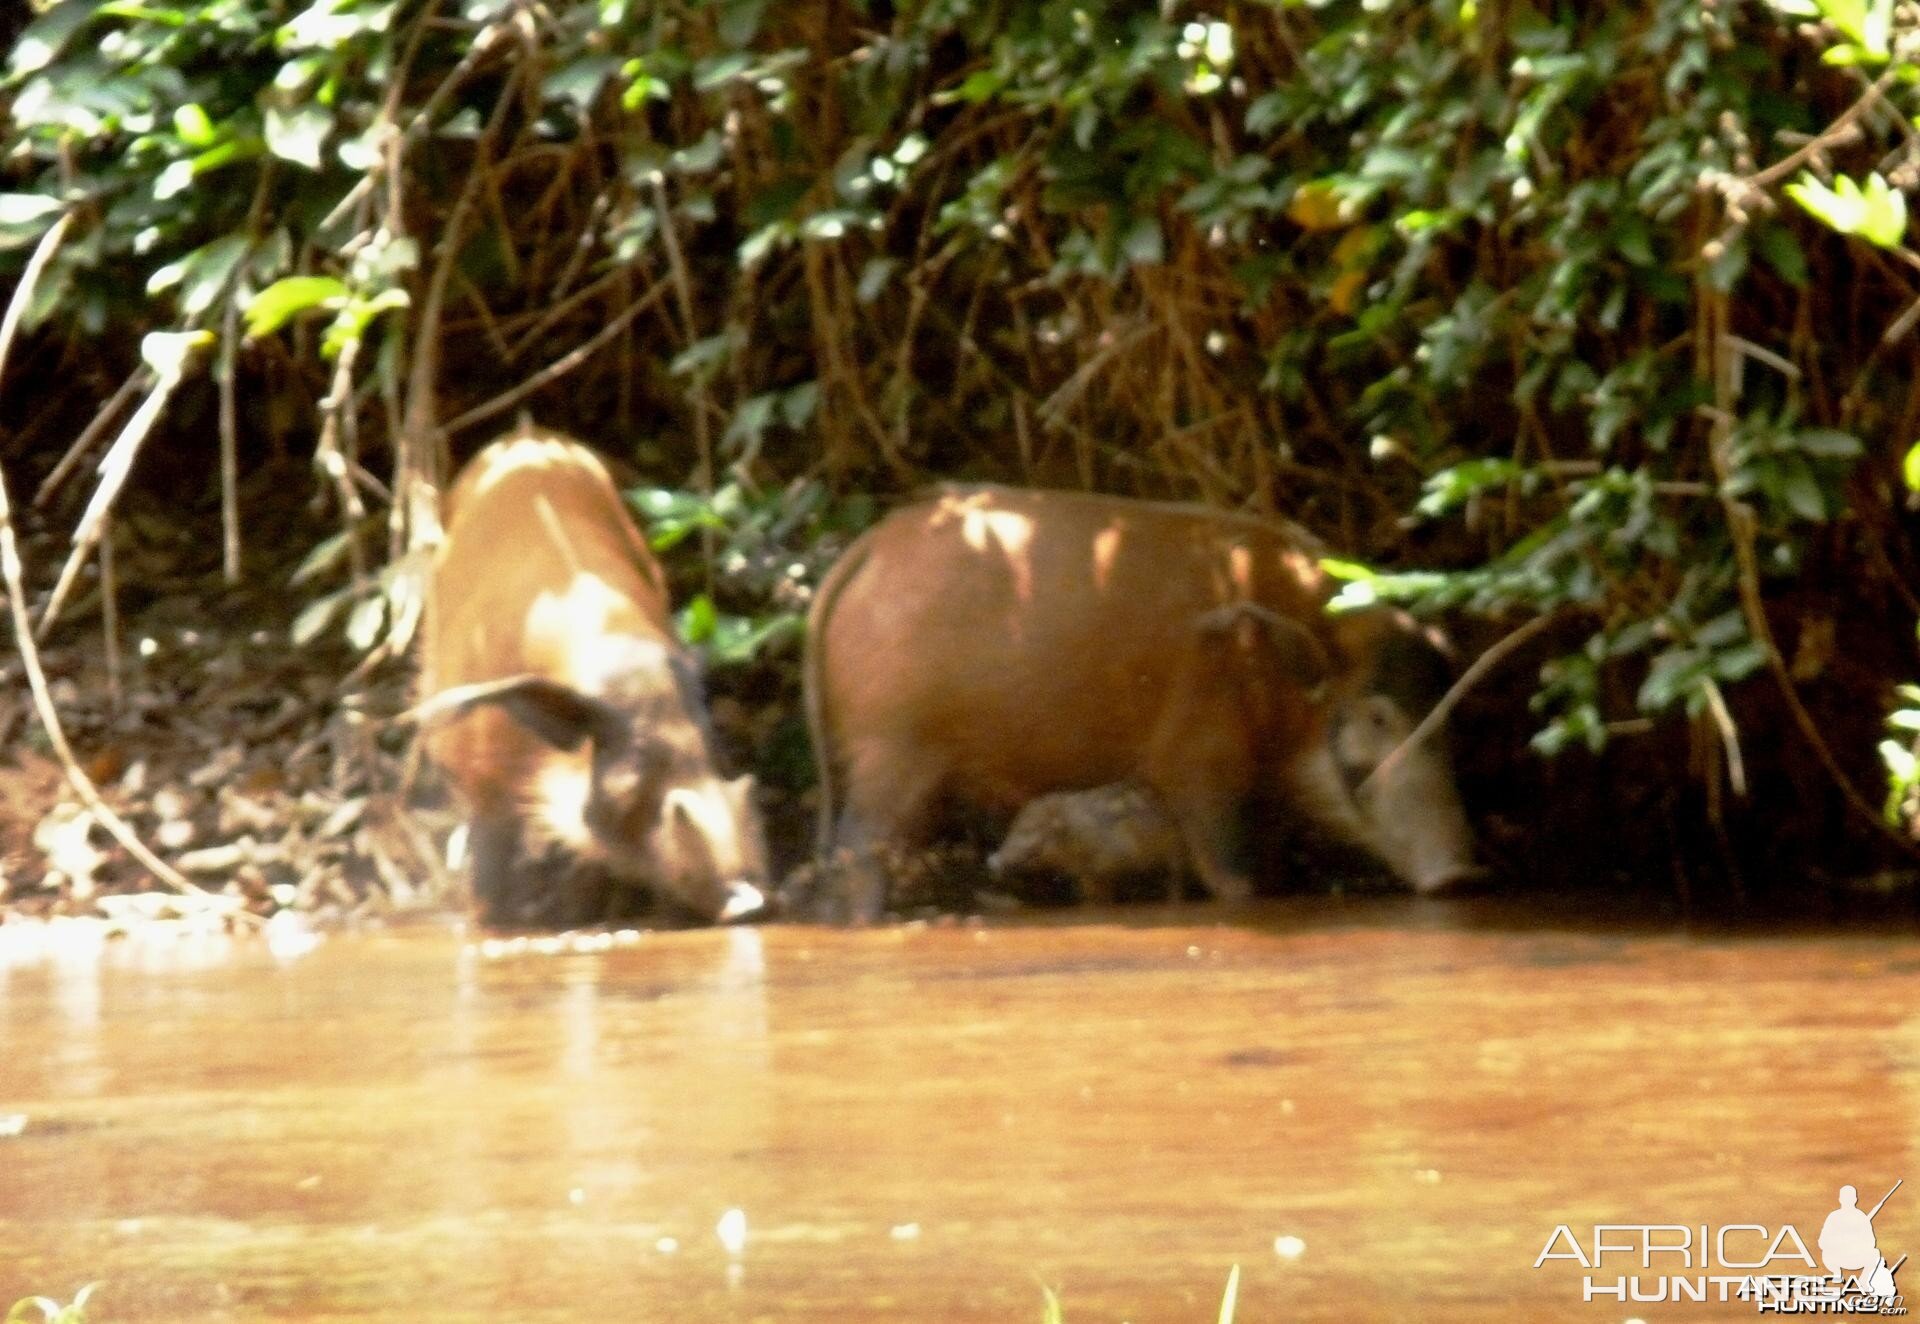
(744, 901)
(1405, 794)
(1418, 822)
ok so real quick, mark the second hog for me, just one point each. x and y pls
(1100, 839)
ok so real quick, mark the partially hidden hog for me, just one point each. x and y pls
(1100, 839)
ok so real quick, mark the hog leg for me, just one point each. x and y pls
(493, 840)
(1199, 763)
(1210, 827)
(890, 796)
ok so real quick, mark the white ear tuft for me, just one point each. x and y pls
(678, 806)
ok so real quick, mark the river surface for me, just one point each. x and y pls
(1379, 1109)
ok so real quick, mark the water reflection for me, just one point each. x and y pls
(1378, 1112)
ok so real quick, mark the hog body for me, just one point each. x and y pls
(1099, 838)
(990, 645)
(559, 702)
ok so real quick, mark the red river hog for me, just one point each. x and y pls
(558, 700)
(988, 646)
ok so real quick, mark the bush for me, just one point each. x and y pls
(1516, 292)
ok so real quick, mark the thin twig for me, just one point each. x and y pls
(114, 468)
(690, 329)
(1486, 662)
(229, 444)
(560, 367)
(335, 412)
(110, 614)
(1841, 130)
(548, 318)
(84, 442)
(1729, 738)
(1740, 529)
(424, 372)
(14, 573)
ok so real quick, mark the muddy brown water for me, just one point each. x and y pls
(1377, 1109)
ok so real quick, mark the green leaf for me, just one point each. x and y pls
(176, 179)
(1781, 249)
(703, 358)
(874, 276)
(698, 619)
(1143, 244)
(1672, 675)
(1877, 27)
(170, 353)
(1829, 443)
(581, 81)
(1883, 218)
(201, 274)
(1850, 16)
(751, 418)
(353, 320)
(1802, 492)
(1876, 212)
(191, 125)
(329, 24)
(981, 85)
(47, 35)
(364, 622)
(297, 135)
(1838, 208)
(1848, 54)
(740, 19)
(28, 209)
(1910, 468)
(1724, 272)
(1900, 761)
(1740, 661)
(720, 70)
(1454, 486)
(330, 552)
(739, 639)
(288, 297)
(797, 404)
(24, 217)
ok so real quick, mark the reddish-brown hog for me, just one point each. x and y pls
(558, 700)
(992, 645)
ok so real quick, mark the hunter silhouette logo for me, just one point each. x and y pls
(1848, 1248)
(1771, 1268)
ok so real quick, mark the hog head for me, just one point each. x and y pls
(653, 808)
(1405, 794)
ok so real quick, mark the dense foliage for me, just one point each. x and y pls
(1514, 293)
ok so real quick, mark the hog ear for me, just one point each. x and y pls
(1361, 634)
(683, 825)
(677, 807)
(557, 713)
(1303, 658)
